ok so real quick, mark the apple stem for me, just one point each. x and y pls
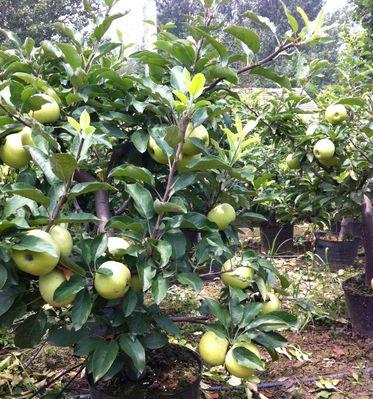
(166, 195)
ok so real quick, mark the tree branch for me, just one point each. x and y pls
(101, 199)
(17, 118)
(190, 319)
(264, 61)
(166, 196)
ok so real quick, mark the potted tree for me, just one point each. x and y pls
(111, 168)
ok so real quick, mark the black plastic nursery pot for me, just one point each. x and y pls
(184, 385)
(338, 254)
(359, 300)
(277, 238)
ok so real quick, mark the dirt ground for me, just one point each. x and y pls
(323, 345)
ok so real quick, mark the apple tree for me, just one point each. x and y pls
(111, 174)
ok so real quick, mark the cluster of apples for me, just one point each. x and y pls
(43, 264)
(12, 151)
(324, 149)
(189, 151)
(215, 350)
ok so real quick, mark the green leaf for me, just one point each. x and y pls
(28, 191)
(270, 74)
(85, 188)
(63, 165)
(292, 21)
(82, 306)
(69, 287)
(7, 298)
(219, 72)
(129, 303)
(140, 140)
(11, 36)
(263, 21)
(164, 249)
(180, 78)
(196, 86)
(191, 279)
(103, 357)
(72, 56)
(31, 331)
(183, 182)
(246, 358)
(125, 223)
(133, 348)
(3, 276)
(142, 198)
(101, 29)
(154, 340)
(73, 217)
(304, 17)
(43, 162)
(245, 35)
(35, 244)
(218, 310)
(352, 101)
(159, 289)
(105, 271)
(167, 324)
(167, 207)
(133, 172)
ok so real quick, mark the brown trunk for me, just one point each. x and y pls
(346, 228)
(367, 222)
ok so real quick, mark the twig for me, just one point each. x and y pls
(14, 116)
(190, 319)
(63, 197)
(70, 382)
(264, 61)
(123, 207)
(166, 196)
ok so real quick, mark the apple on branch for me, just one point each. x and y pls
(222, 215)
(48, 285)
(115, 285)
(335, 113)
(232, 364)
(213, 348)
(12, 152)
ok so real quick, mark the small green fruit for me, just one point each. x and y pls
(273, 305)
(116, 285)
(222, 215)
(212, 348)
(63, 239)
(232, 365)
(12, 152)
(324, 149)
(237, 277)
(49, 283)
(200, 133)
(292, 162)
(335, 113)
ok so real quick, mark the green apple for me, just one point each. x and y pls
(63, 239)
(335, 113)
(222, 215)
(200, 133)
(116, 246)
(156, 152)
(237, 277)
(185, 160)
(272, 305)
(116, 285)
(12, 152)
(48, 285)
(48, 112)
(324, 149)
(37, 263)
(26, 137)
(135, 283)
(232, 365)
(212, 348)
(292, 162)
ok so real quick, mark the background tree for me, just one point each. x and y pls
(35, 18)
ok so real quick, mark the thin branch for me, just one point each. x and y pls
(190, 319)
(17, 118)
(317, 174)
(264, 61)
(166, 196)
(62, 200)
(123, 207)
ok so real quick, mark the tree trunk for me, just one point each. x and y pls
(367, 222)
(346, 228)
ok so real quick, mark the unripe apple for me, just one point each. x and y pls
(37, 263)
(237, 277)
(48, 285)
(324, 149)
(12, 152)
(26, 137)
(63, 239)
(49, 112)
(116, 285)
(185, 160)
(200, 133)
(335, 113)
(212, 348)
(117, 246)
(135, 283)
(222, 215)
(292, 162)
(156, 152)
(232, 365)
(272, 305)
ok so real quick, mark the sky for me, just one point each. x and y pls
(333, 5)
